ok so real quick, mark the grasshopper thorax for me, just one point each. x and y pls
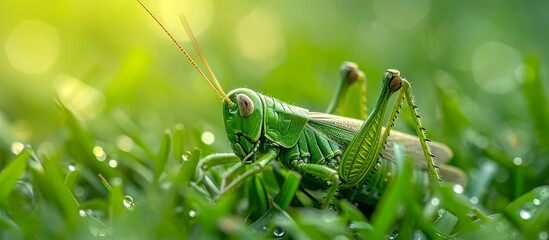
(243, 122)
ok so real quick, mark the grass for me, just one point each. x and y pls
(90, 187)
(109, 145)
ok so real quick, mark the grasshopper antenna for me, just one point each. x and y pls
(222, 96)
(195, 43)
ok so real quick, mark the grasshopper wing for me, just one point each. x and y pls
(341, 130)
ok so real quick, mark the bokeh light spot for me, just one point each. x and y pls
(198, 14)
(84, 101)
(207, 138)
(402, 14)
(259, 36)
(32, 47)
(494, 67)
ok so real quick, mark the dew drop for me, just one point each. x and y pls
(99, 153)
(264, 228)
(128, 202)
(279, 232)
(543, 235)
(113, 163)
(185, 157)
(525, 214)
(192, 213)
(72, 168)
(435, 201)
(517, 161)
(82, 213)
(473, 200)
(537, 202)
(393, 235)
(17, 148)
(207, 138)
(352, 226)
(458, 189)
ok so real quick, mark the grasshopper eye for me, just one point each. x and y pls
(245, 105)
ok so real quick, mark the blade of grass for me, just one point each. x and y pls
(163, 153)
(11, 173)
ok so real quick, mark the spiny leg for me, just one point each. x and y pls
(420, 131)
(406, 93)
(350, 74)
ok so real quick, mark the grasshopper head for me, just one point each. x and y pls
(243, 122)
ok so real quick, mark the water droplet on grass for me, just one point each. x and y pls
(192, 213)
(393, 235)
(537, 202)
(473, 200)
(17, 148)
(186, 156)
(458, 189)
(128, 202)
(279, 232)
(72, 167)
(113, 163)
(517, 161)
(99, 153)
(525, 214)
(82, 213)
(435, 201)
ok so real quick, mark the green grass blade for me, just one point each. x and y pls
(179, 142)
(530, 212)
(163, 154)
(392, 199)
(536, 99)
(287, 192)
(188, 168)
(11, 173)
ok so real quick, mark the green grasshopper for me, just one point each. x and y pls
(345, 155)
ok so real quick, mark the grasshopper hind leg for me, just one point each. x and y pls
(349, 74)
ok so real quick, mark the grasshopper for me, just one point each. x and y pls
(347, 156)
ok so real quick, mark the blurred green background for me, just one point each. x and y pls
(473, 66)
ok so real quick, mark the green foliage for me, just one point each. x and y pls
(103, 124)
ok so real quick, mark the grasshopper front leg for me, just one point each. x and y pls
(209, 162)
(257, 167)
